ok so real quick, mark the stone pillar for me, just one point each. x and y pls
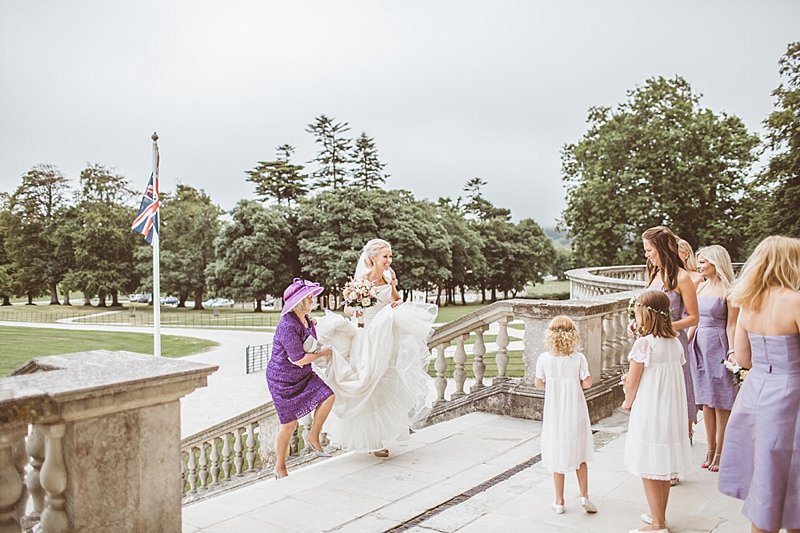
(533, 341)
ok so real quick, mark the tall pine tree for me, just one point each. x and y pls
(333, 157)
(279, 179)
(367, 167)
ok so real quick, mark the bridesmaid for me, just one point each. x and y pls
(666, 273)
(708, 346)
(761, 461)
(689, 261)
(296, 390)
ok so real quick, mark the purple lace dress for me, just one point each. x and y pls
(713, 384)
(761, 460)
(295, 391)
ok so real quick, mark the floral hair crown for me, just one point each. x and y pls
(635, 303)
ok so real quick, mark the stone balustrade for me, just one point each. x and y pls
(88, 442)
(602, 322)
(597, 281)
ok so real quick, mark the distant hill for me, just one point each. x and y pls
(559, 238)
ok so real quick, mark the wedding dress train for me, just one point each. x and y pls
(378, 373)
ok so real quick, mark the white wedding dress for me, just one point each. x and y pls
(378, 373)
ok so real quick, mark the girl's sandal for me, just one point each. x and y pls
(714, 466)
(674, 481)
(709, 460)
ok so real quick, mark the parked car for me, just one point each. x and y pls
(269, 304)
(169, 300)
(218, 302)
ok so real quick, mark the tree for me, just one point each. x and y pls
(34, 207)
(253, 253)
(368, 170)
(478, 206)
(98, 230)
(561, 263)
(656, 159)
(532, 257)
(465, 249)
(279, 179)
(6, 278)
(189, 226)
(333, 156)
(778, 188)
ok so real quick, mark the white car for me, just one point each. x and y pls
(218, 302)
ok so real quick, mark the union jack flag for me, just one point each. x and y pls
(146, 221)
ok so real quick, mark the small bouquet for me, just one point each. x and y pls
(359, 294)
(633, 327)
(738, 372)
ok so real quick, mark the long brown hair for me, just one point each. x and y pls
(666, 245)
(653, 314)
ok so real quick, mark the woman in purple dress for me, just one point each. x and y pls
(666, 273)
(761, 461)
(296, 390)
(708, 346)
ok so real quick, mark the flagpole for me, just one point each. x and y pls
(156, 259)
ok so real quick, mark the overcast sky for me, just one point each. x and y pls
(448, 89)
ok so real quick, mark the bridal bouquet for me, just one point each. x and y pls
(359, 294)
(738, 372)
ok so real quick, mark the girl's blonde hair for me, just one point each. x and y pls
(721, 259)
(691, 261)
(774, 263)
(562, 335)
(653, 314)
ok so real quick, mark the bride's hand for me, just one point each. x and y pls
(396, 303)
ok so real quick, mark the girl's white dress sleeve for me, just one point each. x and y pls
(640, 352)
(540, 366)
(583, 369)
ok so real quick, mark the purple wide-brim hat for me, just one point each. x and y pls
(298, 291)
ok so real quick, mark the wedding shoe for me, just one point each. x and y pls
(316, 452)
(710, 454)
(558, 509)
(588, 506)
(381, 453)
(647, 519)
(278, 476)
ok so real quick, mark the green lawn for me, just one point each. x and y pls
(18, 345)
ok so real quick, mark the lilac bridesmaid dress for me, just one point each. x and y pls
(676, 309)
(713, 384)
(761, 460)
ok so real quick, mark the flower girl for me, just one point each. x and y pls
(566, 435)
(657, 445)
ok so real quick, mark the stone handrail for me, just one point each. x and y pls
(236, 451)
(596, 281)
(602, 322)
(110, 417)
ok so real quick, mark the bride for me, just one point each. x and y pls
(377, 373)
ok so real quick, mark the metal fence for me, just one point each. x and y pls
(258, 357)
(143, 317)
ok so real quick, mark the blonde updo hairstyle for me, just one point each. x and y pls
(371, 249)
(684, 248)
(562, 336)
(721, 259)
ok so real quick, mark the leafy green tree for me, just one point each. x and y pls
(34, 207)
(253, 253)
(465, 248)
(778, 188)
(333, 157)
(101, 238)
(368, 168)
(279, 179)
(478, 206)
(658, 158)
(189, 226)
(561, 263)
(6, 278)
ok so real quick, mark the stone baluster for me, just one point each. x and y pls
(214, 467)
(11, 487)
(21, 458)
(478, 365)
(184, 479)
(459, 373)
(441, 367)
(203, 462)
(607, 349)
(191, 471)
(53, 478)
(35, 448)
(622, 338)
(294, 442)
(237, 451)
(502, 351)
(226, 455)
(305, 422)
(251, 448)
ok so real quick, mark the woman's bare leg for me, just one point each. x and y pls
(282, 447)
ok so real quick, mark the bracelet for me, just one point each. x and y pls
(729, 352)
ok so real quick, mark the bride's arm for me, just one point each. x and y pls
(395, 295)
